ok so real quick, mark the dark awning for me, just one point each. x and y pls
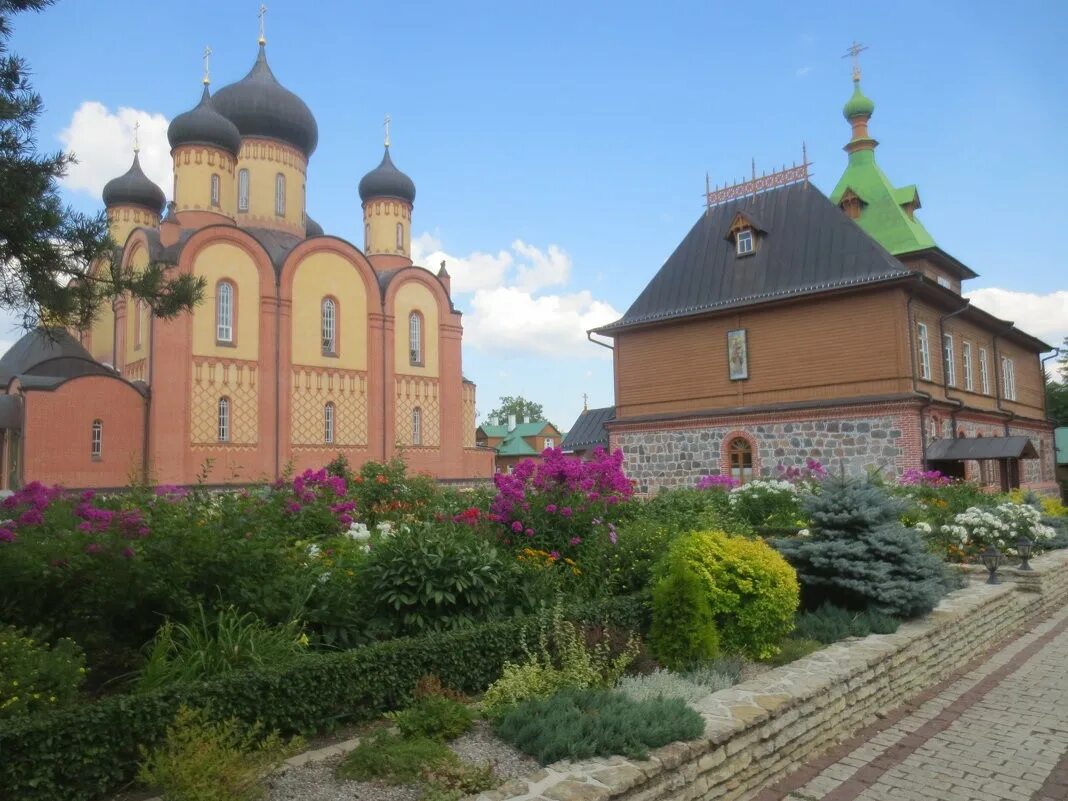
(10, 412)
(957, 450)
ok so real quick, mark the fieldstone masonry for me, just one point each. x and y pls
(759, 730)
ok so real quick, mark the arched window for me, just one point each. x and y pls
(242, 190)
(329, 320)
(417, 426)
(224, 419)
(139, 314)
(367, 236)
(328, 423)
(400, 236)
(96, 441)
(280, 195)
(214, 190)
(415, 339)
(224, 312)
(740, 459)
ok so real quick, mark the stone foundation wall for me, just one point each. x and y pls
(756, 731)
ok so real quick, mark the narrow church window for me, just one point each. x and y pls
(224, 312)
(400, 236)
(744, 242)
(1008, 378)
(242, 190)
(949, 360)
(966, 355)
(329, 314)
(215, 190)
(925, 351)
(224, 419)
(367, 236)
(740, 457)
(96, 443)
(139, 313)
(280, 195)
(417, 426)
(328, 423)
(984, 372)
(415, 339)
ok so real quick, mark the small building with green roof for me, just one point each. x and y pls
(513, 441)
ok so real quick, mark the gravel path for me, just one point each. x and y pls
(316, 781)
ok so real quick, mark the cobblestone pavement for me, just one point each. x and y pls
(996, 731)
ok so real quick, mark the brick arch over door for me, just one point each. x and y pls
(725, 464)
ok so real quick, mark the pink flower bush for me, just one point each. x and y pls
(925, 478)
(812, 471)
(725, 483)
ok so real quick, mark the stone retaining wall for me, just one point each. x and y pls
(756, 731)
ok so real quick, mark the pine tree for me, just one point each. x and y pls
(860, 556)
(57, 265)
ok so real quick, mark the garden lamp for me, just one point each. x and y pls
(1023, 547)
(991, 559)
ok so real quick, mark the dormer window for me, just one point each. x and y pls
(743, 232)
(851, 204)
(743, 242)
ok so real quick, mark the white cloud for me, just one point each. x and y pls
(802, 72)
(102, 141)
(508, 312)
(1043, 316)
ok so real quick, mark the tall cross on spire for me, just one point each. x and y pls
(207, 64)
(854, 52)
(137, 137)
(385, 124)
(263, 33)
(585, 402)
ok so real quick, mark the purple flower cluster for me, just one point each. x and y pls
(724, 483)
(171, 492)
(812, 471)
(129, 523)
(29, 505)
(314, 486)
(924, 478)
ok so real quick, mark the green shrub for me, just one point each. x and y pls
(830, 623)
(860, 556)
(34, 676)
(451, 781)
(792, 649)
(768, 502)
(624, 566)
(751, 589)
(662, 684)
(434, 577)
(578, 724)
(205, 760)
(213, 646)
(719, 674)
(434, 717)
(393, 759)
(683, 631)
(81, 753)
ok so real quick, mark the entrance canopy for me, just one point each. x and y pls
(979, 448)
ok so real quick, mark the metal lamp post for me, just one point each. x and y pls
(1024, 547)
(991, 558)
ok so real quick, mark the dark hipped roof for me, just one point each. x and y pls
(589, 430)
(49, 355)
(809, 246)
(962, 448)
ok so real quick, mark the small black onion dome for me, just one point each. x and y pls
(204, 125)
(312, 228)
(386, 180)
(133, 188)
(260, 106)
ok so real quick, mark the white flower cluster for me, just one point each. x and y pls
(763, 486)
(361, 533)
(1000, 525)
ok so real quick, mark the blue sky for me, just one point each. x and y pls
(559, 149)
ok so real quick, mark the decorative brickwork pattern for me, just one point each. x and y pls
(414, 392)
(217, 378)
(312, 388)
(469, 416)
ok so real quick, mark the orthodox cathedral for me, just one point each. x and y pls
(305, 346)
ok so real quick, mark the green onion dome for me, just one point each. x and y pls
(859, 104)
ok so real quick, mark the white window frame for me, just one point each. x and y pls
(415, 339)
(224, 419)
(949, 364)
(924, 347)
(96, 440)
(329, 415)
(417, 426)
(744, 236)
(969, 375)
(1008, 378)
(984, 372)
(242, 189)
(547, 443)
(280, 195)
(224, 312)
(943, 281)
(215, 189)
(328, 317)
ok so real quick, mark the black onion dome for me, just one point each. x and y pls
(312, 228)
(386, 180)
(260, 106)
(204, 125)
(133, 188)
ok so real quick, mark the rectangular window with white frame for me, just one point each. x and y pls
(969, 376)
(1008, 378)
(924, 347)
(548, 443)
(949, 364)
(984, 372)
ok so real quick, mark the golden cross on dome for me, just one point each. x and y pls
(137, 138)
(854, 51)
(385, 124)
(585, 402)
(207, 64)
(263, 33)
